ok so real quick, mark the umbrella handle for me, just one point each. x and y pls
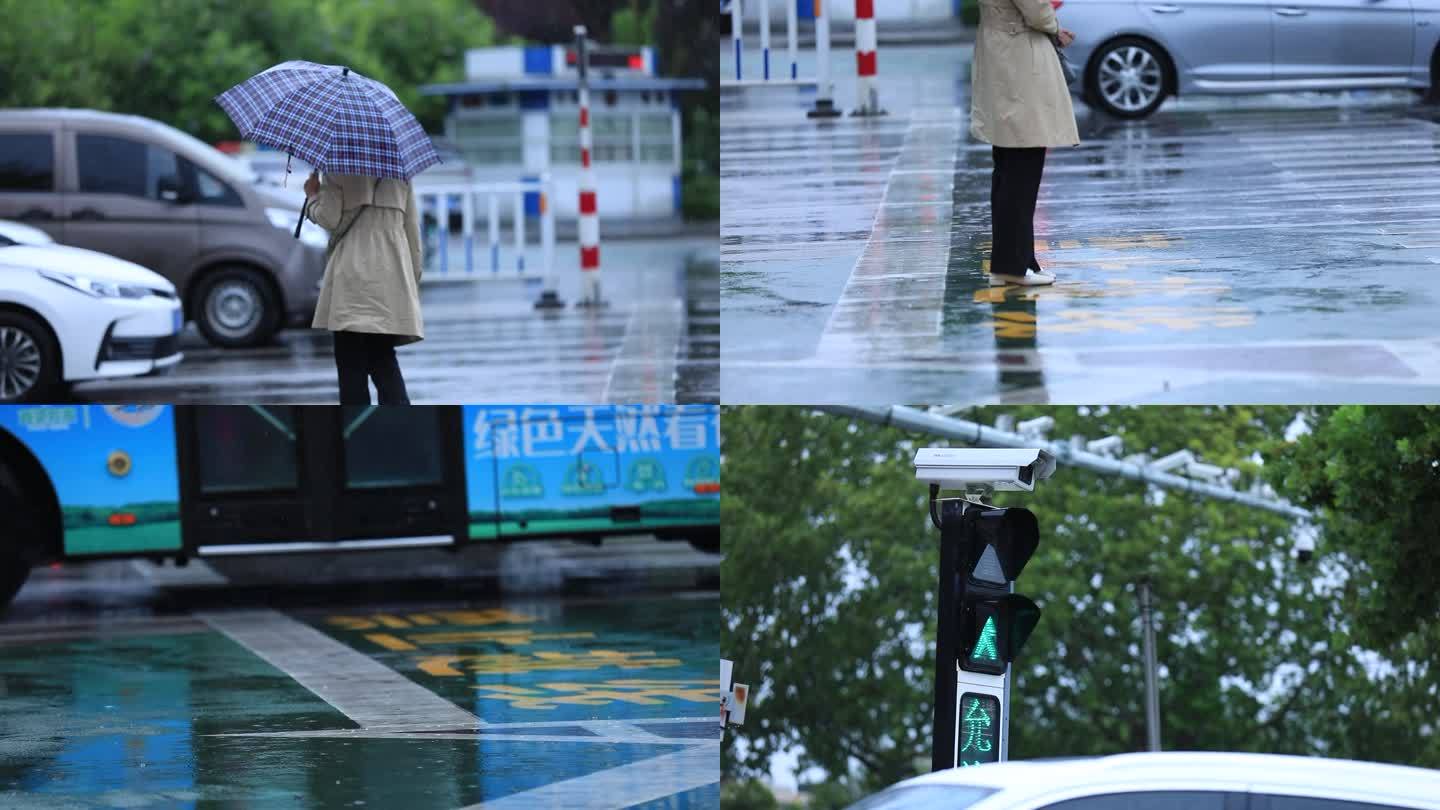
(301, 220)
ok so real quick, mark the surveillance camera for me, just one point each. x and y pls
(1000, 469)
(1305, 549)
(1305, 545)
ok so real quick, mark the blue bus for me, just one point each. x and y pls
(81, 482)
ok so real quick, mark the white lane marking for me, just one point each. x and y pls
(370, 734)
(859, 313)
(621, 730)
(364, 690)
(647, 780)
(643, 369)
(525, 724)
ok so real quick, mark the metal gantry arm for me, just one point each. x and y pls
(1075, 453)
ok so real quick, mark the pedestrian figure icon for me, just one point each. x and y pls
(985, 644)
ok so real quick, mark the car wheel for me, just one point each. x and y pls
(234, 307)
(1128, 78)
(29, 358)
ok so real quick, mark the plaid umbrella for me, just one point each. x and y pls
(332, 118)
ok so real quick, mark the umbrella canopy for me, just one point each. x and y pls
(331, 117)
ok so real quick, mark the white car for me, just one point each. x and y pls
(1168, 781)
(69, 314)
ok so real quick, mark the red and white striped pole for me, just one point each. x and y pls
(589, 220)
(865, 45)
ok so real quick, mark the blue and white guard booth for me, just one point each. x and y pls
(516, 116)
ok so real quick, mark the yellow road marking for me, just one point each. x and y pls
(390, 642)
(512, 663)
(510, 638)
(548, 696)
(464, 618)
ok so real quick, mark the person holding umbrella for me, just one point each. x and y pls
(365, 146)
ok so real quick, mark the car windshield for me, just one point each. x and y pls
(924, 797)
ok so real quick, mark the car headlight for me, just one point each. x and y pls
(94, 287)
(310, 233)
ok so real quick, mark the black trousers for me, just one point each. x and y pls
(361, 357)
(1014, 186)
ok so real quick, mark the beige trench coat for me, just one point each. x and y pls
(1018, 93)
(372, 278)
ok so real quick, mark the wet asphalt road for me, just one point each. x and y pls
(126, 685)
(1276, 248)
(656, 341)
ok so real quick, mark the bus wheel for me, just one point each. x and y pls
(709, 542)
(14, 566)
(13, 573)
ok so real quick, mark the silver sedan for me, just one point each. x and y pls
(1135, 54)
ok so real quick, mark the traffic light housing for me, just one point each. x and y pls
(993, 623)
(981, 627)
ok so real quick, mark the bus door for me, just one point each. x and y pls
(258, 479)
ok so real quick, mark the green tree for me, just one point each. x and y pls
(634, 24)
(1374, 472)
(828, 604)
(168, 59)
(685, 34)
(747, 794)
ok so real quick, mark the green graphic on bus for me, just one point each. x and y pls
(646, 475)
(522, 481)
(701, 471)
(582, 478)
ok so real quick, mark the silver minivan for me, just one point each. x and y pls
(146, 192)
(1135, 54)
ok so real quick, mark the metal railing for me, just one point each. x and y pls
(789, 75)
(501, 206)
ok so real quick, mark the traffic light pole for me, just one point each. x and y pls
(1152, 695)
(953, 538)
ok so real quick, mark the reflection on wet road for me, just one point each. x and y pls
(655, 342)
(1279, 247)
(574, 703)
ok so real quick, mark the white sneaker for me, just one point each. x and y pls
(1027, 280)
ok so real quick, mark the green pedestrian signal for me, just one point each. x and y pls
(993, 629)
(985, 650)
(979, 730)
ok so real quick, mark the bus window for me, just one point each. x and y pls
(388, 447)
(249, 448)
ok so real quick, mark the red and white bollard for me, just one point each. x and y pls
(866, 42)
(589, 219)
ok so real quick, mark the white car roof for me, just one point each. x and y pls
(24, 234)
(1022, 781)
